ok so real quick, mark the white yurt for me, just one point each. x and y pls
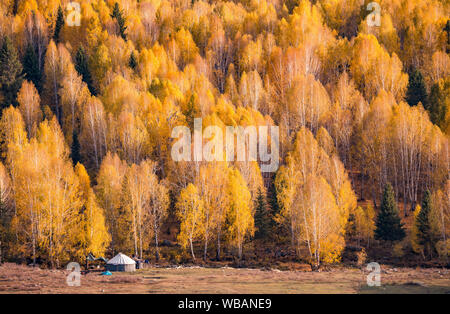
(121, 262)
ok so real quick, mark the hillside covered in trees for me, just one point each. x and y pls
(90, 92)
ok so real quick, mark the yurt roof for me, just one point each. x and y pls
(121, 259)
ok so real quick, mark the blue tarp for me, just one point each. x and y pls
(106, 273)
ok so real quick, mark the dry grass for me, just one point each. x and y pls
(24, 279)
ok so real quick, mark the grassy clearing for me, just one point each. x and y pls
(23, 279)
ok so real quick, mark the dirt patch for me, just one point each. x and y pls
(24, 279)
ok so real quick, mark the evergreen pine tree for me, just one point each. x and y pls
(447, 30)
(437, 108)
(191, 112)
(15, 7)
(350, 228)
(31, 67)
(417, 91)
(75, 148)
(118, 15)
(133, 61)
(274, 208)
(389, 226)
(423, 225)
(82, 67)
(262, 216)
(59, 24)
(10, 72)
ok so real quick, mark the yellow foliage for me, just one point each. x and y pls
(315, 197)
(190, 211)
(94, 236)
(239, 215)
(29, 106)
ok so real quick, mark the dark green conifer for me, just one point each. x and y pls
(10, 73)
(31, 67)
(75, 148)
(437, 106)
(424, 232)
(389, 226)
(121, 20)
(133, 61)
(417, 91)
(262, 216)
(58, 24)
(82, 67)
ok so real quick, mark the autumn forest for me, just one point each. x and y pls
(91, 90)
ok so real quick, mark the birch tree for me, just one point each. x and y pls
(190, 208)
(29, 106)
